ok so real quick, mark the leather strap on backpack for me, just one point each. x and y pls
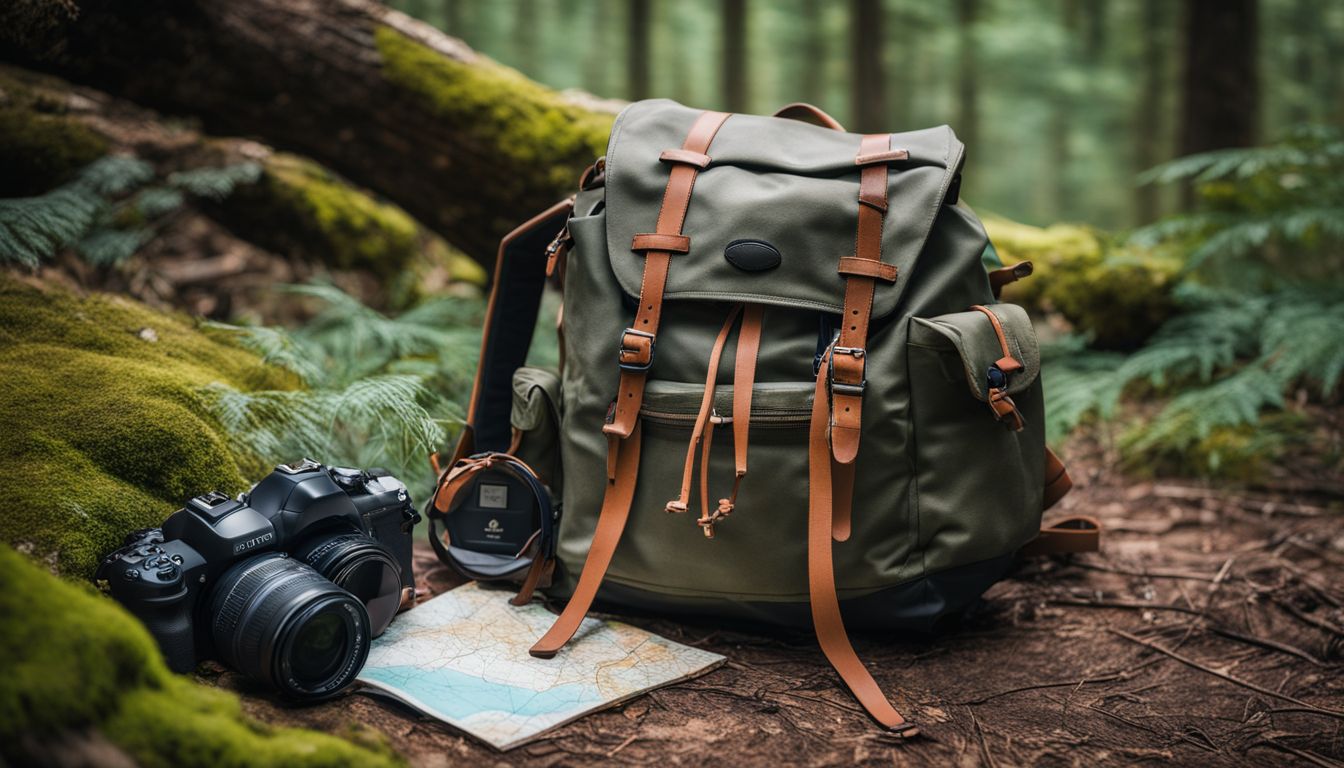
(826, 618)
(637, 342)
(635, 358)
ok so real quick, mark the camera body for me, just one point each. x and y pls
(287, 583)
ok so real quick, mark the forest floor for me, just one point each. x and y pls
(1207, 632)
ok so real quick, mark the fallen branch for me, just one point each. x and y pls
(1224, 676)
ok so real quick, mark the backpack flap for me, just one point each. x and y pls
(770, 187)
(980, 349)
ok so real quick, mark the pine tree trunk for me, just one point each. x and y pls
(1221, 81)
(869, 97)
(734, 66)
(968, 82)
(1148, 150)
(466, 146)
(637, 51)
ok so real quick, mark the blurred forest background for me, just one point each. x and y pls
(1062, 104)
(233, 233)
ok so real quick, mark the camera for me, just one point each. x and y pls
(286, 584)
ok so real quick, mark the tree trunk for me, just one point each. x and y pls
(637, 42)
(814, 53)
(968, 90)
(1221, 80)
(1148, 150)
(734, 66)
(869, 99)
(466, 146)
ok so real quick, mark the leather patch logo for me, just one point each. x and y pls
(752, 255)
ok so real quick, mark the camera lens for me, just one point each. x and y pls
(279, 621)
(361, 566)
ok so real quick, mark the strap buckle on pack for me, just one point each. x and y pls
(847, 388)
(636, 354)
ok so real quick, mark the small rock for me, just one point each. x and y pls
(148, 334)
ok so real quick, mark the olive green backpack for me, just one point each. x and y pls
(787, 393)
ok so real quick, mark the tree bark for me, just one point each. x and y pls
(734, 67)
(968, 81)
(637, 51)
(1221, 81)
(869, 94)
(1148, 150)
(466, 146)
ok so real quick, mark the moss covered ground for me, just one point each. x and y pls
(73, 662)
(103, 421)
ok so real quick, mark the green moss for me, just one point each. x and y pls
(103, 421)
(1244, 454)
(1118, 297)
(39, 151)
(534, 127)
(71, 660)
(348, 226)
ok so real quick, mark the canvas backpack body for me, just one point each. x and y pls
(788, 394)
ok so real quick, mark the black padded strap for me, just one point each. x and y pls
(515, 298)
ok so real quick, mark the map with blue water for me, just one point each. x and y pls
(462, 658)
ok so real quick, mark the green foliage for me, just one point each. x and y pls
(1263, 311)
(101, 212)
(71, 660)
(383, 391)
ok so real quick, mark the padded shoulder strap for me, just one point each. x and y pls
(515, 297)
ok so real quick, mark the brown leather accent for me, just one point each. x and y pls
(1003, 339)
(656, 242)
(850, 265)
(808, 114)
(1005, 275)
(842, 499)
(671, 217)
(1057, 480)
(708, 518)
(679, 504)
(847, 363)
(826, 618)
(1068, 536)
(1005, 409)
(539, 566)
(610, 524)
(698, 159)
(744, 379)
(889, 156)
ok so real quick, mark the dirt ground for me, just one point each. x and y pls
(1207, 632)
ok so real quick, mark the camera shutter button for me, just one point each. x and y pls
(130, 574)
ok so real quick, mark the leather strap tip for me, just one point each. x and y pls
(685, 156)
(904, 730)
(876, 158)
(542, 653)
(840, 534)
(675, 507)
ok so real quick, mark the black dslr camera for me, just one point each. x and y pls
(287, 584)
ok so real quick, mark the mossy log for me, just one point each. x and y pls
(1118, 296)
(467, 146)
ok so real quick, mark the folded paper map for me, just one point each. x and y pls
(462, 658)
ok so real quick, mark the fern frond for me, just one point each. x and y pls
(34, 228)
(115, 174)
(107, 247)
(1192, 415)
(215, 183)
(278, 347)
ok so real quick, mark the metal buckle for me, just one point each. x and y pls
(635, 367)
(841, 388)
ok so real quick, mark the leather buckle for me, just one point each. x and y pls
(635, 357)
